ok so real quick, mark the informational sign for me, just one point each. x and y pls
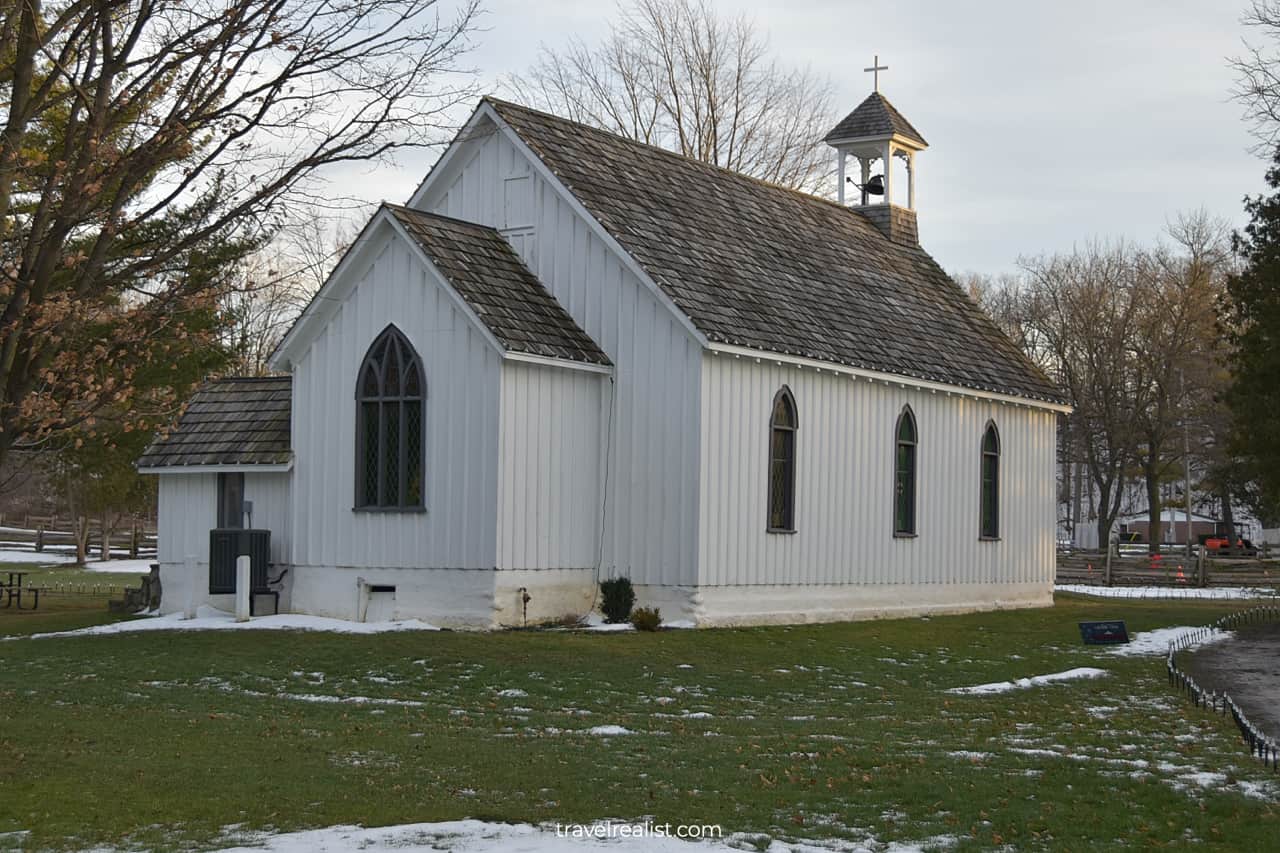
(1103, 633)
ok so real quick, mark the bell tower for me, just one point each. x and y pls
(870, 140)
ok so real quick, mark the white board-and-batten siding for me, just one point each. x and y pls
(458, 529)
(845, 449)
(188, 510)
(651, 507)
(550, 462)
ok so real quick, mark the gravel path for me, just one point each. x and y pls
(1247, 667)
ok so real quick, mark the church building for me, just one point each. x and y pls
(571, 356)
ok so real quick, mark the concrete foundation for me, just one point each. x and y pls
(489, 599)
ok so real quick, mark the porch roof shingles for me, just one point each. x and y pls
(508, 298)
(235, 421)
(756, 265)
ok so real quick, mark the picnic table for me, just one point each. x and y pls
(12, 589)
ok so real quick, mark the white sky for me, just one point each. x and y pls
(1049, 123)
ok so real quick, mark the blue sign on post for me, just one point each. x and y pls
(1103, 633)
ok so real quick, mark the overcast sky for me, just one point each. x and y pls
(1049, 124)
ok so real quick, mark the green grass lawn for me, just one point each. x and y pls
(162, 740)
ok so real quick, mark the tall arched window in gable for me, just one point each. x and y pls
(990, 502)
(390, 397)
(904, 475)
(782, 463)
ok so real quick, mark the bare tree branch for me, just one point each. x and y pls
(673, 73)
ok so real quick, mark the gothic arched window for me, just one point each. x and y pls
(990, 502)
(782, 463)
(390, 395)
(904, 475)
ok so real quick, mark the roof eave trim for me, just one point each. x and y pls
(321, 304)
(895, 137)
(632, 265)
(564, 363)
(226, 468)
(888, 378)
(445, 164)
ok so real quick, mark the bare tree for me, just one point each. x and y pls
(1258, 73)
(150, 144)
(1083, 307)
(673, 73)
(1176, 344)
(275, 285)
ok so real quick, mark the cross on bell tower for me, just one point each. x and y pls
(876, 134)
(875, 69)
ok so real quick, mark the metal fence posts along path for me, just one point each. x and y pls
(1260, 745)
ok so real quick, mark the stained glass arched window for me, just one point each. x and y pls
(783, 425)
(904, 475)
(390, 399)
(990, 502)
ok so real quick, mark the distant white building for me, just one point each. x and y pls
(572, 356)
(1206, 515)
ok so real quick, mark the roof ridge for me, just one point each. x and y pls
(272, 378)
(665, 151)
(430, 214)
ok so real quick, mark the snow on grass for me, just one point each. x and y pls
(43, 558)
(1033, 681)
(1225, 592)
(1157, 642)
(476, 836)
(56, 558)
(210, 619)
(609, 731)
(137, 567)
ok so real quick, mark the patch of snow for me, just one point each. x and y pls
(1033, 681)
(969, 755)
(43, 558)
(1227, 592)
(211, 619)
(135, 567)
(680, 624)
(609, 731)
(475, 836)
(1157, 642)
(512, 693)
(595, 622)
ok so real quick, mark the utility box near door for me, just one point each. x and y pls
(228, 543)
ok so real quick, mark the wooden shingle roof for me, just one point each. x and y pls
(232, 422)
(874, 117)
(509, 299)
(760, 266)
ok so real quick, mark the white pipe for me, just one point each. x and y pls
(242, 587)
(193, 583)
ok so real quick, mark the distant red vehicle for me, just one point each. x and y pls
(1222, 545)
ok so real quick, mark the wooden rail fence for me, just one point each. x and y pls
(135, 541)
(1174, 570)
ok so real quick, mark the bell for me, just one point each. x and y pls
(875, 186)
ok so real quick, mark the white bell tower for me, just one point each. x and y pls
(867, 142)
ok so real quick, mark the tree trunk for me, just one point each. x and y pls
(1106, 519)
(1228, 517)
(1076, 491)
(104, 547)
(1155, 533)
(82, 539)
